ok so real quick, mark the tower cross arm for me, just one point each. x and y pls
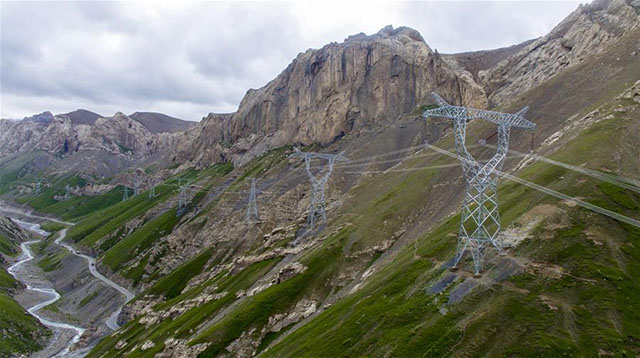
(447, 110)
(328, 156)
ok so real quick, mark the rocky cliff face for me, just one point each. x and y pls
(326, 93)
(583, 34)
(118, 135)
(368, 80)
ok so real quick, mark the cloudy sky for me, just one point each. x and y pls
(189, 59)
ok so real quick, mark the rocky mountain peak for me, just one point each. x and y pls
(402, 31)
(43, 118)
(82, 116)
(161, 123)
(323, 94)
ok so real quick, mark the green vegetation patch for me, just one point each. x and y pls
(7, 282)
(140, 240)
(21, 332)
(184, 325)
(172, 285)
(52, 226)
(255, 311)
(52, 261)
(7, 247)
(620, 196)
(88, 298)
(104, 222)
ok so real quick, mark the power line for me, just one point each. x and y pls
(554, 193)
(609, 178)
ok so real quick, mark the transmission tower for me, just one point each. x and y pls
(182, 197)
(125, 195)
(38, 182)
(152, 188)
(252, 209)
(318, 184)
(67, 192)
(136, 186)
(480, 218)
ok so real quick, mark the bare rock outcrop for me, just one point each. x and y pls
(582, 34)
(246, 345)
(104, 146)
(326, 93)
(118, 135)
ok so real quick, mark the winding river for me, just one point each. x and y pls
(27, 255)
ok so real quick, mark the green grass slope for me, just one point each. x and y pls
(21, 332)
(573, 290)
(574, 294)
(578, 295)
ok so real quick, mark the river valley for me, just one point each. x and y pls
(75, 300)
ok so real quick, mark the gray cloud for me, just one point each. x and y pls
(190, 59)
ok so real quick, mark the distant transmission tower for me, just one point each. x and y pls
(38, 182)
(125, 195)
(67, 192)
(318, 185)
(182, 197)
(136, 186)
(480, 220)
(152, 188)
(252, 208)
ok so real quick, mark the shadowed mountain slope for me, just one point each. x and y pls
(161, 123)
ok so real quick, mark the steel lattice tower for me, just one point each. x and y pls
(318, 185)
(136, 186)
(38, 183)
(67, 192)
(152, 188)
(480, 218)
(252, 208)
(182, 197)
(125, 195)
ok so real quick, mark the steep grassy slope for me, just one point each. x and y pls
(21, 332)
(76, 206)
(568, 272)
(15, 170)
(375, 281)
(577, 295)
(576, 292)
